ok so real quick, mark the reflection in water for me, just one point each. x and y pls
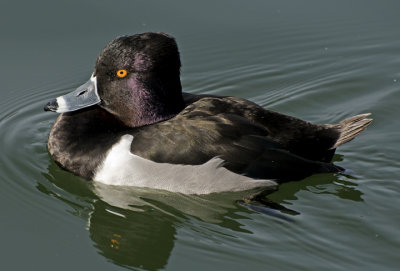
(338, 185)
(133, 237)
(140, 239)
(137, 227)
(334, 184)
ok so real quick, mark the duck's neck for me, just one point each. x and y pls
(153, 101)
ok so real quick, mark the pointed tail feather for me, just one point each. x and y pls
(350, 128)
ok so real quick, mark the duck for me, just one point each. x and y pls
(130, 124)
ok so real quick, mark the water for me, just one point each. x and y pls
(316, 60)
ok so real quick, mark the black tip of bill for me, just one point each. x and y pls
(51, 106)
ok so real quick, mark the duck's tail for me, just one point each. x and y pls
(350, 128)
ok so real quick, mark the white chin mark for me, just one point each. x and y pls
(62, 105)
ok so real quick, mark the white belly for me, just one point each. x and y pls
(121, 167)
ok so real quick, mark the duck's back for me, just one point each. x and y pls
(249, 139)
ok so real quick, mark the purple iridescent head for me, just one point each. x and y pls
(151, 90)
(136, 78)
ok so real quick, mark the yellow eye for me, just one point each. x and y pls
(122, 73)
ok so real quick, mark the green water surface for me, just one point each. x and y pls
(321, 61)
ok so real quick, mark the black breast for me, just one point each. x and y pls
(78, 141)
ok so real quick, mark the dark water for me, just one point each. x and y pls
(318, 60)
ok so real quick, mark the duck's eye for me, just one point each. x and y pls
(122, 73)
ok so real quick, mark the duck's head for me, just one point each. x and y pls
(136, 78)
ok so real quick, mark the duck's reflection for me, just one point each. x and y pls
(342, 186)
(132, 238)
(137, 227)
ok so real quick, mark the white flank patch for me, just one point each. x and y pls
(121, 167)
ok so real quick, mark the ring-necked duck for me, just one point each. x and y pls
(130, 124)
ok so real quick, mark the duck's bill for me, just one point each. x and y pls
(84, 96)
